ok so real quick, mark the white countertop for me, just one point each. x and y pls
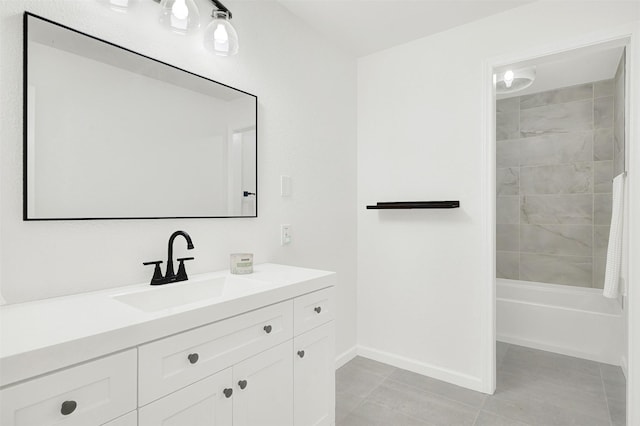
(45, 335)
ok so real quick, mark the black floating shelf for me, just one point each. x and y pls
(415, 205)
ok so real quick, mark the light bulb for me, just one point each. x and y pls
(508, 78)
(180, 9)
(220, 35)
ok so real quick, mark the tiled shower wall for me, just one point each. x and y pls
(555, 159)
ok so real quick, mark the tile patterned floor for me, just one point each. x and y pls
(534, 388)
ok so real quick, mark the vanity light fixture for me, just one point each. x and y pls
(182, 16)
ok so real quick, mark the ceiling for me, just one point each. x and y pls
(570, 68)
(367, 26)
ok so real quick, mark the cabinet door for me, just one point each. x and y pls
(204, 403)
(314, 377)
(263, 388)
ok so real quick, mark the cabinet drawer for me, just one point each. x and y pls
(130, 419)
(207, 402)
(99, 390)
(177, 361)
(312, 310)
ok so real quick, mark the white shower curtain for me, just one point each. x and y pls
(614, 251)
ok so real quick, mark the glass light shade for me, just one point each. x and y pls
(514, 80)
(220, 37)
(181, 16)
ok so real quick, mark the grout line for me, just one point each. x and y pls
(438, 394)
(606, 398)
(364, 398)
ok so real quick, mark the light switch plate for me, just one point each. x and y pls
(285, 234)
(285, 186)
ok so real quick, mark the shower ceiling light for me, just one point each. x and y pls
(514, 80)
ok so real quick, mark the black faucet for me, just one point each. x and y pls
(170, 276)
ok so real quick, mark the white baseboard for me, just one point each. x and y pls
(534, 344)
(439, 373)
(624, 365)
(346, 356)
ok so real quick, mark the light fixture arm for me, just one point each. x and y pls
(221, 7)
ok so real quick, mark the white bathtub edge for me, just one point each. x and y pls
(562, 350)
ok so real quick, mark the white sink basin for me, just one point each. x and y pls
(167, 296)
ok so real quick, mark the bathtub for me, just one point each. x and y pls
(572, 321)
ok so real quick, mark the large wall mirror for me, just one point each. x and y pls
(112, 134)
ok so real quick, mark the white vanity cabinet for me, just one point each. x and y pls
(288, 381)
(87, 394)
(264, 359)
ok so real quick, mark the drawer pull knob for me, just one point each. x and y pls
(301, 354)
(193, 358)
(317, 309)
(267, 329)
(228, 392)
(242, 384)
(68, 407)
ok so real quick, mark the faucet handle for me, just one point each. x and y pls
(182, 272)
(157, 273)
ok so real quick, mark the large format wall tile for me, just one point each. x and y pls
(507, 238)
(557, 149)
(603, 112)
(508, 181)
(603, 88)
(507, 264)
(566, 270)
(573, 209)
(508, 210)
(603, 176)
(556, 154)
(560, 118)
(603, 144)
(558, 96)
(602, 204)
(619, 119)
(618, 156)
(508, 105)
(564, 240)
(599, 268)
(508, 153)
(557, 179)
(600, 240)
(507, 125)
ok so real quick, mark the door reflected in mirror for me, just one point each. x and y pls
(112, 134)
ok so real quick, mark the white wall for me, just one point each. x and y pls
(306, 129)
(421, 288)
